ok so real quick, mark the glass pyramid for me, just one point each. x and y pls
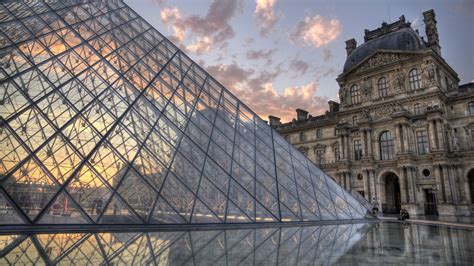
(104, 121)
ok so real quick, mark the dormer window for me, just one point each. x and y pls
(383, 87)
(355, 94)
(302, 136)
(414, 78)
(470, 107)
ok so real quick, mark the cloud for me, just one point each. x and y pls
(261, 54)
(265, 15)
(210, 30)
(299, 66)
(327, 55)
(202, 45)
(316, 31)
(173, 16)
(256, 90)
(159, 2)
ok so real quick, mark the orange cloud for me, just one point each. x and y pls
(173, 16)
(265, 15)
(210, 30)
(202, 45)
(316, 31)
(256, 90)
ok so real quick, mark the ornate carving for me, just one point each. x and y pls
(399, 82)
(343, 95)
(382, 112)
(419, 123)
(367, 90)
(429, 75)
(380, 59)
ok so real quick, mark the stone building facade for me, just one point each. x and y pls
(403, 131)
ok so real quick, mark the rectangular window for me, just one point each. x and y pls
(471, 108)
(357, 150)
(422, 142)
(319, 133)
(319, 155)
(355, 120)
(417, 109)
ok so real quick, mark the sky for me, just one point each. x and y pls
(280, 55)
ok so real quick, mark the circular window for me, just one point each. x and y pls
(426, 172)
(360, 177)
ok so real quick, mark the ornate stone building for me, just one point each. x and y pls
(403, 131)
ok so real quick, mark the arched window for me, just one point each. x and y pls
(383, 87)
(414, 78)
(470, 107)
(387, 150)
(355, 94)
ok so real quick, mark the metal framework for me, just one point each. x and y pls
(312, 245)
(104, 121)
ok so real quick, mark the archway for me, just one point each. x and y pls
(392, 194)
(470, 179)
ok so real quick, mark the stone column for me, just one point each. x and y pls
(403, 185)
(348, 147)
(412, 172)
(369, 142)
(398, 141)
(406, 138)
(364, 143)
(431, 135)
(411, 185)
(366, 184)
(341, 146)
(454, 183)
(348, 181)
(441, 133)
(370, 175)
(463, 185)
(440, 197)
(448, 190)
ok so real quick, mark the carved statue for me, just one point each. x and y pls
(343, 95)
(366, 115)
(429, 74)
(367, 89)
(455, 142)
(399, 82)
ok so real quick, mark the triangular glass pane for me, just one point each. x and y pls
(10, 216)
(56, 245)
(117, 212)
(30, 187)
(164, 214)
(63, 211)
(202, 214)
(235, 215)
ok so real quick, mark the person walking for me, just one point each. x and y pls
(375, 206)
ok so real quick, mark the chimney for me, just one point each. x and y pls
(274, 121)
(350, 46)
(333, 106)
(431, 30)
(301, 114)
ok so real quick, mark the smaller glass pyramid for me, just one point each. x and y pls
(104, 121)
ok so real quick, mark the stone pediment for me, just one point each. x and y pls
(380, 58)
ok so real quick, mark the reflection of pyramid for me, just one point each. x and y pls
(308, 245)
(103, 120)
